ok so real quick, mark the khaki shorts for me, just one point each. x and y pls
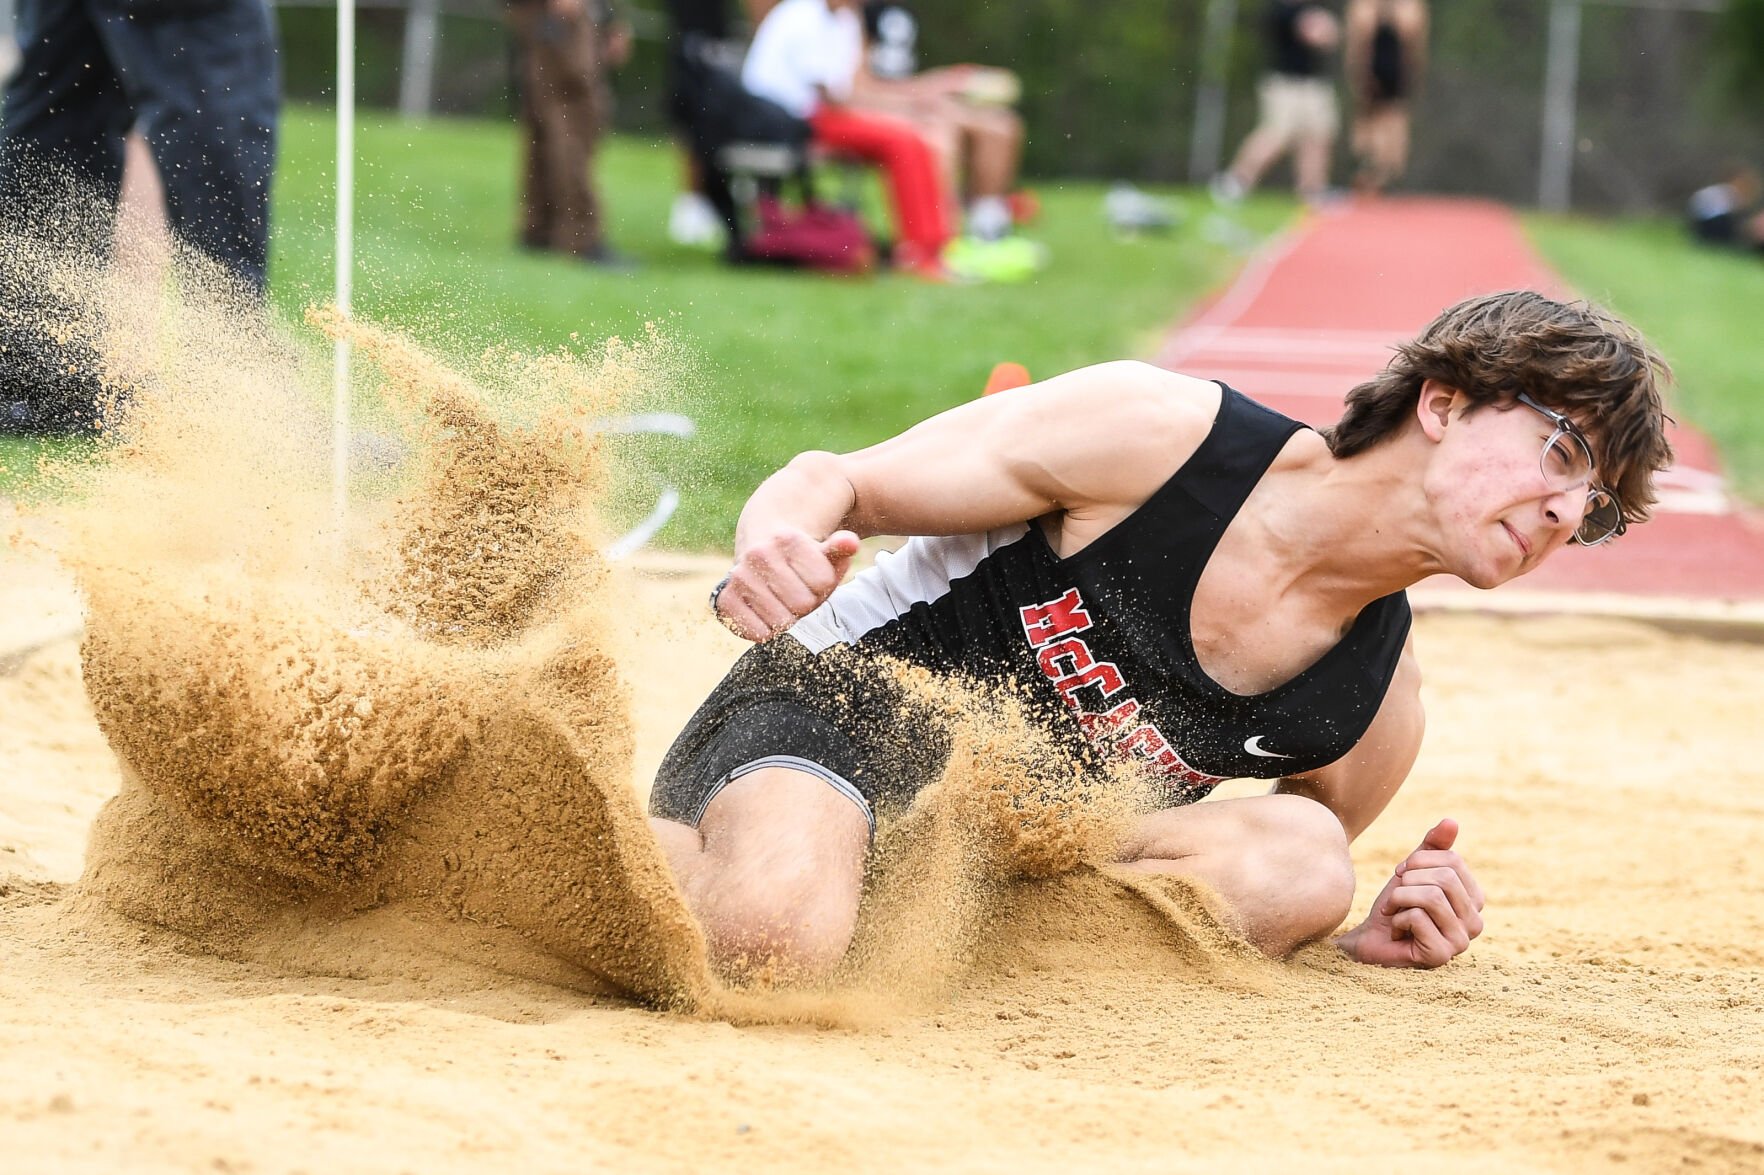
(1298, 109)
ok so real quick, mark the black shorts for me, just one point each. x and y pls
(838, 714)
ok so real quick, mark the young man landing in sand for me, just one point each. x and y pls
(1168, 572)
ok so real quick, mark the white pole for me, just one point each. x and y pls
(345, 257)
(1206, 146)
(1561, 78)
(416, 69)
(8, 40)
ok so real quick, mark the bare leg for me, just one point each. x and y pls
(1256, 155)
(946, 144)
(1362, 144)
(1279, 863)
(1394, 142)
(995, 147)
(1382, 145)
(773, 872)
(1310, 165)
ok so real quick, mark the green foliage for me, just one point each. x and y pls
(772, 362)
(1699, 305)
(1110, 88)
(1742, 44)
(471, 74)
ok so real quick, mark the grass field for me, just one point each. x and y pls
(773, 362)
(1699, 305)
(776, 362)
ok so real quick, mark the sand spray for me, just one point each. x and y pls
(401, 734)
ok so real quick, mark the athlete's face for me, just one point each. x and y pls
(1507, 485)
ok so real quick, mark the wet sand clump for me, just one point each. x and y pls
(408, 709)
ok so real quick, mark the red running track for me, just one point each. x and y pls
(1318, 309)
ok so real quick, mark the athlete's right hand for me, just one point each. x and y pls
(1428, 912)
(780, 579)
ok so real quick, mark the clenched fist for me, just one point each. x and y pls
(1426, 914)
(781, 578)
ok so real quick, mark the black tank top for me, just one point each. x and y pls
(1288, 53)
(1389, 74)
(1099, 644)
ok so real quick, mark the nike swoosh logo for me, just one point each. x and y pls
(1252, 745)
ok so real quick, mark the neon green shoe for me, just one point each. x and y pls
(1008, 259)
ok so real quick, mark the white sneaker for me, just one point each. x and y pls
(693, 221)
(1227, 189)
(1131, 211)
(989, 218)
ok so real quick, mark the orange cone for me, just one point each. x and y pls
(1006, 376)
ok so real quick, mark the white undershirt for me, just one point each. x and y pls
(802, 47)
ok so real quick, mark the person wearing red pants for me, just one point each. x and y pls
(804, 57)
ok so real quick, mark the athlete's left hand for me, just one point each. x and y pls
(1427, 913)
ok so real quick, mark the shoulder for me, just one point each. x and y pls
(1112, 432)
(1126, 404)
(791, 18)
(1409, 14)
(1128, 390)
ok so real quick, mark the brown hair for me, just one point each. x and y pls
(1571, 356)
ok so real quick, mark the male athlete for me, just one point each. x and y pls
(1170, 573)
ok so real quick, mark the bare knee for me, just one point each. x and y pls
(1300, 846)
(783, 917)
(778, 875)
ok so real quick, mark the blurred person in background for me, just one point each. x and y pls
(1728, 212)
(8, 42)
(199, 83)
(1297, 103)
(694, 26)
(805, 58)
(700, 31)
(964, 112)
(198, 79)
(1384, 51)
(564, 50)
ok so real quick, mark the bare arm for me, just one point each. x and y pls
(1356, 48)
(1089, 445)
(1417, 42)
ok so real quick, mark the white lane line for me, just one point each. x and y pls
(1359, 349)
(1685, 489)
(670, 424)
(1256, 382)
(634, 539)
(668, 500)
(1259, 360)
(1371, 337)
(1249, 284)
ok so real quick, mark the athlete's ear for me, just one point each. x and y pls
(1435, 406)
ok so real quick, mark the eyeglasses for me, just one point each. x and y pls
(1567, 463)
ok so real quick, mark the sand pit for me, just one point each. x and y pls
(1613, 1011)
(314, 934)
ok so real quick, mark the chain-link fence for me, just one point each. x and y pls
(1641, 116)
(1650, 116)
